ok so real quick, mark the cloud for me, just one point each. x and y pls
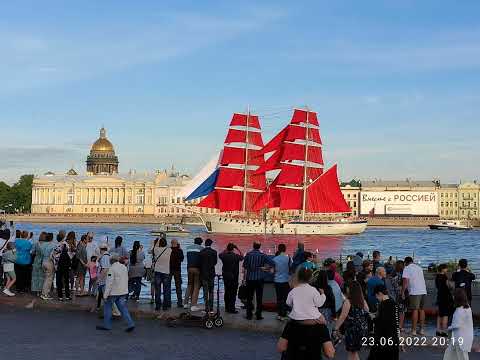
(27, 160)
(34, 60)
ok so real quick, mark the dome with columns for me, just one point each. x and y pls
(102, 159)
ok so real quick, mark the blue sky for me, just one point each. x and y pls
(395, 83)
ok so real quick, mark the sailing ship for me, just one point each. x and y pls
(246, 202)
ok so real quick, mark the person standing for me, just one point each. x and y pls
(387, 329)
(47, 247)
(23, 262)
(176, 259)
(82, 265)
(461, 340)
(64, 264)
(231, 258)
(298, 257)
(208, 260)
(255, 264)
(193, 270)
(281, 279)
(102, 272)
(74, 263)
(463, 278)
(328, 309)
(119, 249)
(395, 291)
(355, 316)
(444, 300)
(92, 248)
(116, 292)
(358, 261)
(136, 270)
(376, 261)
(414, 282)
(161, 266)
(372, 283)
(8, 265)
(38, 274)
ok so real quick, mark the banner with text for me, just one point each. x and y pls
(399, 203)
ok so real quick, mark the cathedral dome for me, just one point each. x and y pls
(102, 144)
(102, 158)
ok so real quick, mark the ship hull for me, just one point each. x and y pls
(227, 225)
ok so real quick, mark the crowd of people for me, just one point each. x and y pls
(322, 304)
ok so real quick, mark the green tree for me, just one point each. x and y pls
(17, 197)
(353, 182)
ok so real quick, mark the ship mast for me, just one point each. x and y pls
(245, 180)
(304, 203)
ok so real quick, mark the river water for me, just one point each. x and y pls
(426, 245)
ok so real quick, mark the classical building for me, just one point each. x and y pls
(103, 191)
(469, 200)
(448, 202)
(102, 158)
(352, 197)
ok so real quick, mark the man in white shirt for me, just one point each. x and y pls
(116, 291)
(91, 248)
(414, 282)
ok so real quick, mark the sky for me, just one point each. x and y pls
(396, 84)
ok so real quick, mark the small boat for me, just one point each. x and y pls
(170, 229)
(451, 225)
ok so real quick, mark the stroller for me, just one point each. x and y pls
(208, 320)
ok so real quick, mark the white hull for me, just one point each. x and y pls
(228, 225)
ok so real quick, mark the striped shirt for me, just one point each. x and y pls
(253, 263)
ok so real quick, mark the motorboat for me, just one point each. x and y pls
(451, 225)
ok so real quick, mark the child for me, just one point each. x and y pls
(444, 300)
(9, 258)
(308, 264)
(92, 272)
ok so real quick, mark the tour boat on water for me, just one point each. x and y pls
(170, 229)
(451, 225)
(302, 198)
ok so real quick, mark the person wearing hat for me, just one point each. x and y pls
(102, 271)
(116, 292)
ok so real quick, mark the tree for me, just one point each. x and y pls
(353, 183)
(18, 197)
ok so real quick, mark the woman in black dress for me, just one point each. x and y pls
(387, 329)
(444, 300)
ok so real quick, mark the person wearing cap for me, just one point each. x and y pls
(331, 265)
(193, 274)
(102, 271)
(358, 261)
(116, 292)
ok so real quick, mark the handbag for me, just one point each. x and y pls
(9, 266)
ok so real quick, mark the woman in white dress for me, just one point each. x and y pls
(461, 339)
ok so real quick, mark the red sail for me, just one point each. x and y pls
(240, 136)
(300, 116)
(276, 142)
(241, 120)
(291, 199)
(324, 194)
(270, 198)
(293, 151)
(230, 177)
(238, 187)
(293, 174)
(234, 155)
(296, 132)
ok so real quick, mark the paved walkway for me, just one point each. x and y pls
(68, 335)
(143, 310)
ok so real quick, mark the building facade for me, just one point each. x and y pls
(102, 191)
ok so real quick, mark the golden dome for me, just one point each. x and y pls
(102, 144)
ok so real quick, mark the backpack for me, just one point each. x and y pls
(64, 260)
